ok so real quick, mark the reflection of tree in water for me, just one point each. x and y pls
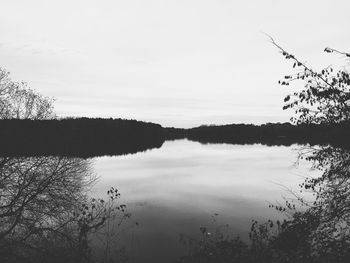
(45, 212)
(320, 233)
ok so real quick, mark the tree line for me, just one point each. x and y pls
(83, 137)
(30, 127)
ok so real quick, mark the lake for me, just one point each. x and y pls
(185, 185)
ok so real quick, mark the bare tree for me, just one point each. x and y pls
(17, 100)
(35, 190)
(45, 208)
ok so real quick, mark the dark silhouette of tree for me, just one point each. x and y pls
(45, 212)
(80, 137)
(331, 206)
(325, 97)
(273, 134)
(18, 101)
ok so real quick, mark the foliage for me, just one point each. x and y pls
(332, 202)
(325, 97)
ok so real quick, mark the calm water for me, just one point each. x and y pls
(178, 188)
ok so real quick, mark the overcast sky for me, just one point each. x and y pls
(178, 63)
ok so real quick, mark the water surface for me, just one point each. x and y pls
(181, 186)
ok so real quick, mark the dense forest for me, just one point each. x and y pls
(86, 137)
(81, 137)
(273, 134)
